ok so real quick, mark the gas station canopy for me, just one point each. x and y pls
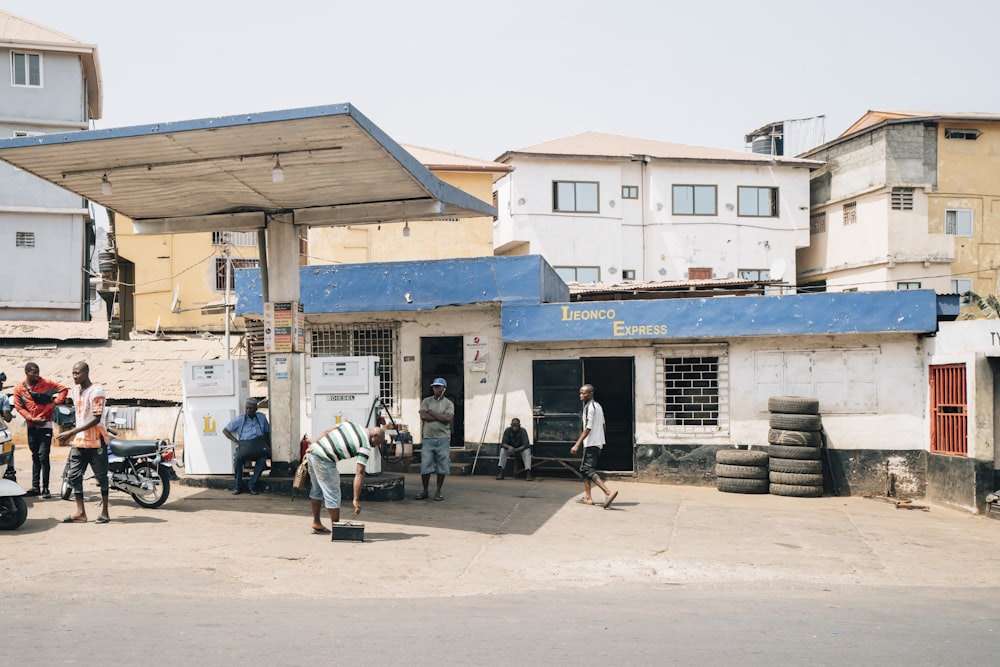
(325, 165)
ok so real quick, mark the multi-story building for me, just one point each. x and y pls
(608, 208)
(46, 232)
(906, 200)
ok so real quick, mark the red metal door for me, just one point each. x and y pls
(949, 412)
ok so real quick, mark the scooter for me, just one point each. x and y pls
(13, 508)
(141, 468)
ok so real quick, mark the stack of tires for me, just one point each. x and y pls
(741, 471)
(796, 441)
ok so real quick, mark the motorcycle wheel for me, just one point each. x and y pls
(13, 512)
(151, 498)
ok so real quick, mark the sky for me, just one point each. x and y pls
(479, 79)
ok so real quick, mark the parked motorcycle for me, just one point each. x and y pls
(141, 468)
(13, 508)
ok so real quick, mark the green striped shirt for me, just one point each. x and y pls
(346, 441)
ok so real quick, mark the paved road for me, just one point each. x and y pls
(503, 572)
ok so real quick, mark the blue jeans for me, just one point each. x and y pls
(258, 469)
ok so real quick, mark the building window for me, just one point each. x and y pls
(220, 270)
(25, 69)
(700, 273)
(817, 223)
(850, 212)
(574, 197)
(628, 274)
(902, 199)
(754, 274)
(630, 192)
(958, 222)
(963, 287)
(757, 202)
(379, 339)
(579, 274)
(24, 240)
(967, 135)
(243, 239)
(695, 200)
(692, 386)
(949, 410)
(908, 285)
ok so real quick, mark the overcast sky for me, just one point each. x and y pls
(479, 78)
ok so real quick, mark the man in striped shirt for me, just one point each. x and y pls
(339, 443)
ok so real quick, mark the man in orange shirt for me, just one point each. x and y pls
(90, 442)
(36, 399)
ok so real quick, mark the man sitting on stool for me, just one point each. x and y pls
(515, 441)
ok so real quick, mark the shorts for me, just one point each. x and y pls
(324, 481)
(435, 456)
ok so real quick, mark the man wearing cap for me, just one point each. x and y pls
(248, 426)
(436, 414)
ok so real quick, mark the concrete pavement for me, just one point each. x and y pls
(491, 537)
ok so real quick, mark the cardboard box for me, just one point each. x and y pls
(348, 532)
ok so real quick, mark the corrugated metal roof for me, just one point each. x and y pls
(875, 117)
(130, 370)
(43, 330)
(16, 28)
(597, 144)
(436, 160)
(667, 288)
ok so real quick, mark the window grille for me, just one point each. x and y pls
(850, 213)
(220, 271)
(949, 410)
(245, 239)
(968, 135)
(902, 199)
(362, 339)
(24, 240)
(692, 388)
(817, 223)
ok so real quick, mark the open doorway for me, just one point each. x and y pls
(441, 357)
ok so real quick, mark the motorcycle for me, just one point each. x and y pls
(141, 468)
(13, 508)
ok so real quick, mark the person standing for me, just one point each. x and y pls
(6, 409)
(90, 442)
(342, 442)
(248, 426)
(36, 398)
(436, 414)
(515, 441)
(592, 438)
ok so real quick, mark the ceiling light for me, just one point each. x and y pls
(406, 228)
(277, 174)
(105, 185)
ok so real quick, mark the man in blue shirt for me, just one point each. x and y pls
(251, 429)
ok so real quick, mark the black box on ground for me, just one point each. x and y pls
(348, 532)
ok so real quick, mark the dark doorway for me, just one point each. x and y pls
(441, 357)
(556, 406)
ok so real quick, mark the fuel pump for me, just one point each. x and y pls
(214, 393)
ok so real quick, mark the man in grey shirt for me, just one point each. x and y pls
(436, 414)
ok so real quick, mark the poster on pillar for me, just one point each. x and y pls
(284, 327)
(476, 352)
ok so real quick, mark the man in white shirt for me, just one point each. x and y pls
(592, 438)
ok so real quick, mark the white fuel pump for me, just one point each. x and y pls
(214, 393)
(345, 389)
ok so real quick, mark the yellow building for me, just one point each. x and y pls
(177, 282)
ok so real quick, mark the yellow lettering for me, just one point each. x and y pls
(619, 328)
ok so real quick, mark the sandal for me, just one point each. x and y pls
(438, 497)
(421, 496)
(102, 519)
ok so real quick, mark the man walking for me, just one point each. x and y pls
(36, 399)
(90, 442)
(436, 414)
(592, 438)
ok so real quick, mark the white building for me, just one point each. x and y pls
(606, 208)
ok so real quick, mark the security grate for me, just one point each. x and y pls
(902, 199)
(817, 223)
(949, 410)
(25, 240)
(692, 388)
(360, 340)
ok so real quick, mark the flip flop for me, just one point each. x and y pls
(421, 496)
(610, 499)
(584, 501)
(439, 497)
(103, 519)
(70, 519)
(320, 531)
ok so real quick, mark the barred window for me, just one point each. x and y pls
(902, 199)
(692, 388)
(245, 239)
(24, 240)
(220, 271)
(817, 223)
(362, 339)
(850, 213)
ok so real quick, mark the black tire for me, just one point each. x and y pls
(796, 491)
(742, 457)
(796, 452)
(805, 467)
(793, 405)
(796, 478)
(796, 422)
(13, 512)
(159, 482)
(777, 436)
(731, 485)
(741, 472)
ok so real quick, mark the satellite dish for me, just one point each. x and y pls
(778, 269)
(175, 303)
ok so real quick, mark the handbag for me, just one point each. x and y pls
(253, 449)
(301, 482)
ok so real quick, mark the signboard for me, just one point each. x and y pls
(284, 327)
(476, 353)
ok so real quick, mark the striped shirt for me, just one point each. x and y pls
(346, 441)
(89, 403)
